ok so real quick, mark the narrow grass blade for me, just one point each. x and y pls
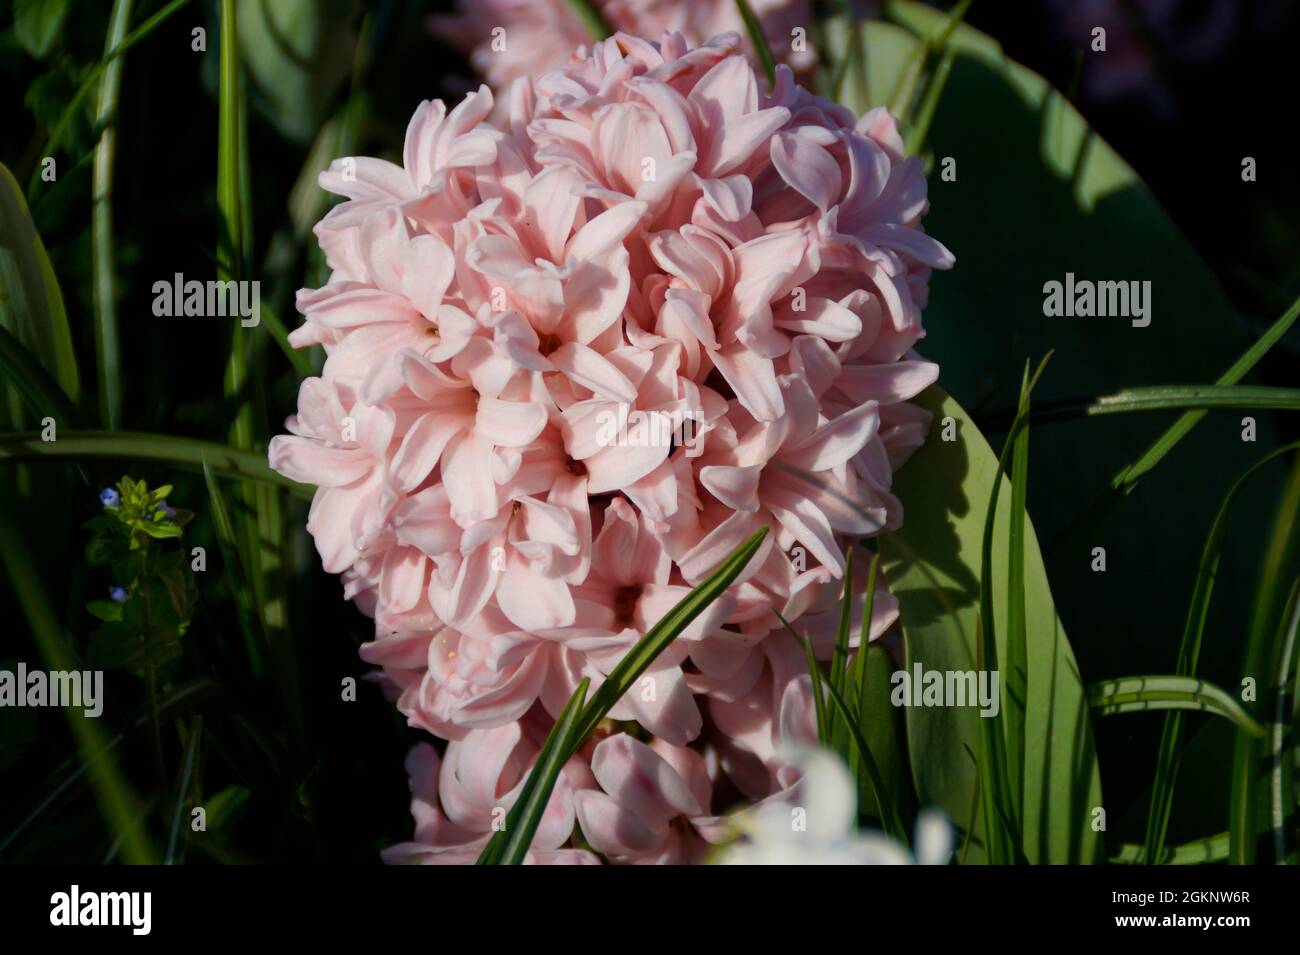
(1281, 755)
(72, 771)
(756, 37)
(914, 68)
(299, 358)
(1188, 654)
(107, 347)
(231, 254)
(236, 575)
(117, 803)
(1159, 398)
(1001, 804)
(1140, 694)
(840, 655)
(818, 680)
(1128, 476)
(530, 806)
(864, 632)
(61, 127)
(638, 659)
(1016, 676)
(183, 786)
(167, 449)
(920, 127)
(857, 675)
(1205, 851)
(1269, 611)
(889, 816)
(635, 662)
(591, 18)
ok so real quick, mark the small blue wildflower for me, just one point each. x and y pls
(165, 510)
(109, 497)
(119, 594)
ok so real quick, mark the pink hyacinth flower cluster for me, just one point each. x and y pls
(572, 363)
(510, 39)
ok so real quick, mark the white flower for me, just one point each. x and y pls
(818, 827)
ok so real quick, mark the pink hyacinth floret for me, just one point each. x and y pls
(572, 363)
(511, 39)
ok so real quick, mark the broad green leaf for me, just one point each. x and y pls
(37, 24)
(883, 729)
(31, 305)
(297, 53)
(41, 392)
(1038, 194)
(933, 565)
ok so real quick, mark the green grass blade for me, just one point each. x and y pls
(1281, 747)
(167, 449)
(635, 662)
(1016, 678)
(530, 806)
(819, 701)
(1139, 694)
(840, 655)
(840, 658)
(857, 676)
(889, 816)
(183, 786)
(591, 19)
(1159, 398)
(1128, 476)
(1189, 650)
(914, 68)
(579, 720)
(1269, 611)
(236, 575)
(914, 142)
(756, 37)
(1205, 851)
(107, 347)
(61, 127)
(864, 631)
(117, 803)
(299, 358)
(231, 253)
(31, 305)
(71, 772)
(638, 659)
(1000, 803)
